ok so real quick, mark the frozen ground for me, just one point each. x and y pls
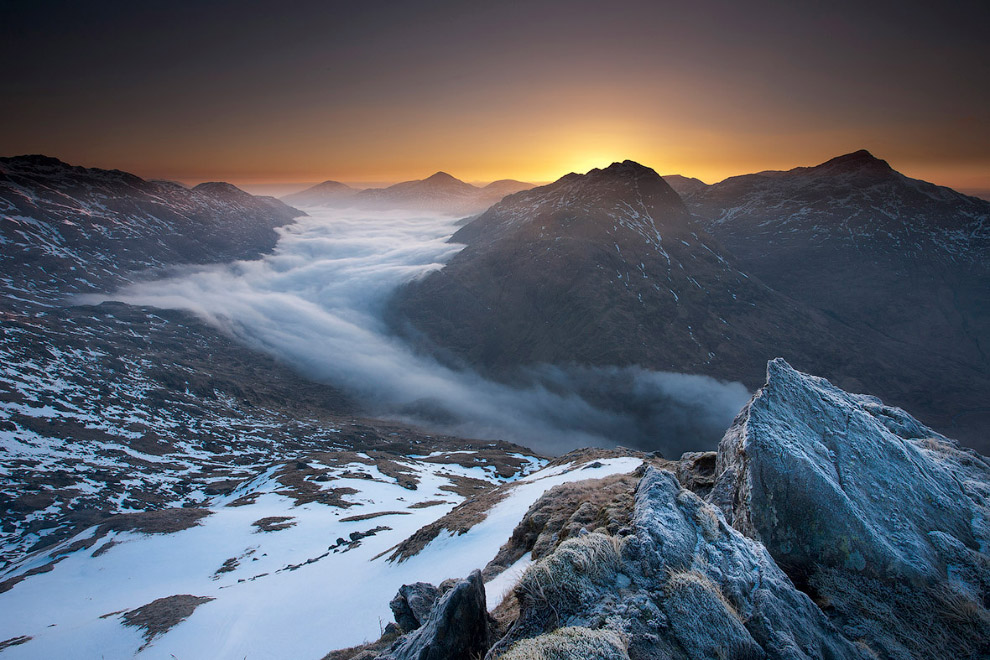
(298, 591)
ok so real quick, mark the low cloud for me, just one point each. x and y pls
(317, 303)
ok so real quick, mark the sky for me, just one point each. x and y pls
(272, 92)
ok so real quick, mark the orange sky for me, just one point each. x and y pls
(380, 92)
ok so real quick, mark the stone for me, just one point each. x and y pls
(457, 627)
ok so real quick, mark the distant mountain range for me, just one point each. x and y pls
(848, 269)
(440, 192)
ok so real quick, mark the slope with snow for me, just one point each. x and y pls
(318, 580)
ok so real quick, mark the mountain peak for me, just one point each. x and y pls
(628, 169)
(857, 161)
(442, 177)
(223, 190)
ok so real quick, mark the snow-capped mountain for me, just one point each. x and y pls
(439, 192)
(68, 229)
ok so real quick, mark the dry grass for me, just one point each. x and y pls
(462, 518)
(564, 580)
(15, 641)
(369, 516)
(161, 615)
(427, 504)
(273, 523)
(595, 505)
(570, 643)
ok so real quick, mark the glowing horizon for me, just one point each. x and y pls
(395, 92)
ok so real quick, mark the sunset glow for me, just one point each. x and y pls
(354, 93)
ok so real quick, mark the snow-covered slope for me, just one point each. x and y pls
(278, 574)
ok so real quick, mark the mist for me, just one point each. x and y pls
(317, 303)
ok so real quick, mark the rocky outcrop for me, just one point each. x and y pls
(885, 521)
(457, 627)
(696, 471)
(834, 527)
(413, 604)
(684, 584)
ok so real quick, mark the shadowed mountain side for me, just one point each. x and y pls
(881, 253)
(606, 268)
(610, 268)
(72, 229)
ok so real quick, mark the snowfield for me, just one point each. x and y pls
(298, 591)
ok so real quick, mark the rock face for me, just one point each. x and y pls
(71, 229)
(879, 516)
(413, 604)
(684, 584)
(457, 627)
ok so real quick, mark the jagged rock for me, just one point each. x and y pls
(885, 521)
(456, 628)
(413, 604)
(686, 585)
(696, 471)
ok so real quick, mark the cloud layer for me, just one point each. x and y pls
(317, 303)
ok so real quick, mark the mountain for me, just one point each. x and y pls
(683, 185)
(881, 253)
(328, 193)
(69, 229)
(440, 192)
(114, 414)
(607, 268)
(829, 266)
(496, 190)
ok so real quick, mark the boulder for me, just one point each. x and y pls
(413, 604)
(883, 520)
(457, 627)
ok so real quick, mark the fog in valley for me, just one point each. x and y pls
(318, 302)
